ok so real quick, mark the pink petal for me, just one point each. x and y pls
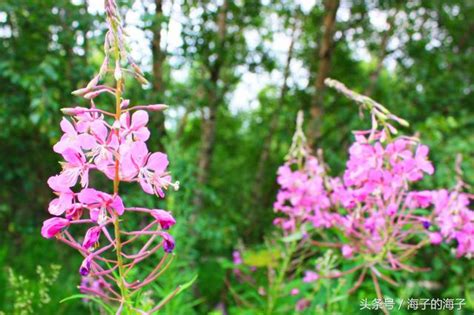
(117, 205)
(86, 141)
(67, 127)
(142, 134)
(99, 130)
(89, 196)
(58, 183)
(74, 157)
(139, 119)
(146, 186)
(158, 162)
(125, 120)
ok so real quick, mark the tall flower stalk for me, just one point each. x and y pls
(114, 144)
(371, 213)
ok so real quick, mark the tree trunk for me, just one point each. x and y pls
(324, 56)
(257, 190)
(208, 128)
(158, 60)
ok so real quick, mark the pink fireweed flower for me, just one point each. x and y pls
(91, 237)
(95, 140)
(59, 184)
(72, 139)
(347, 251)
(133, 127)
(99, 203)
(302, 196)
(75, 166)
(152, 174)
(53, 226)
(310, 276)
(165, 218)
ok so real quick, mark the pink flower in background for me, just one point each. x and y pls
(347, 251)
(310, 276)
(435, 238)
(53, 226)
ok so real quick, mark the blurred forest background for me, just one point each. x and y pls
(234, 73)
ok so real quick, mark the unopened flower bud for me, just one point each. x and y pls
(73, 110)
(80, 92)
(124, 104)
(92, 84)
(141, 79)
(118, 71)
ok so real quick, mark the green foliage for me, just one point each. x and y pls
(27, 296)
(49, 47)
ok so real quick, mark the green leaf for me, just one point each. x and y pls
(293, 237)
(85, 296)
(176, 292)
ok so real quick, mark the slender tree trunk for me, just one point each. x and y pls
(257, 190)
(208, 128)
(324, 55)
(383, 53)
(158, 60)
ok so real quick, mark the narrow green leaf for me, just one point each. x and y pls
(85, 296)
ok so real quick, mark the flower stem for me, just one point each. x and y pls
(118, 241)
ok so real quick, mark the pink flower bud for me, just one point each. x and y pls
(80, 92)
(155, 107)
(294, 291)
(347, 251)
(118, 71)
(168, 242)
(165, 219)
(74, 110)
(310, 276)
(124, 104)
(94, 94)
(435, 238)
(93, 82)
(85, 268)
(92, 236)
(53, 226)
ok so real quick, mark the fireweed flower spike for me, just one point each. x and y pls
(379, 219)
(112, 143)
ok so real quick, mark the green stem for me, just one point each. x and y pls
(275, 288)
(118, 241)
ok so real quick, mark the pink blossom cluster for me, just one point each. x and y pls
(114, 145)
(454, 219)
(372, 204)
(91, 143)
(302, 196)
